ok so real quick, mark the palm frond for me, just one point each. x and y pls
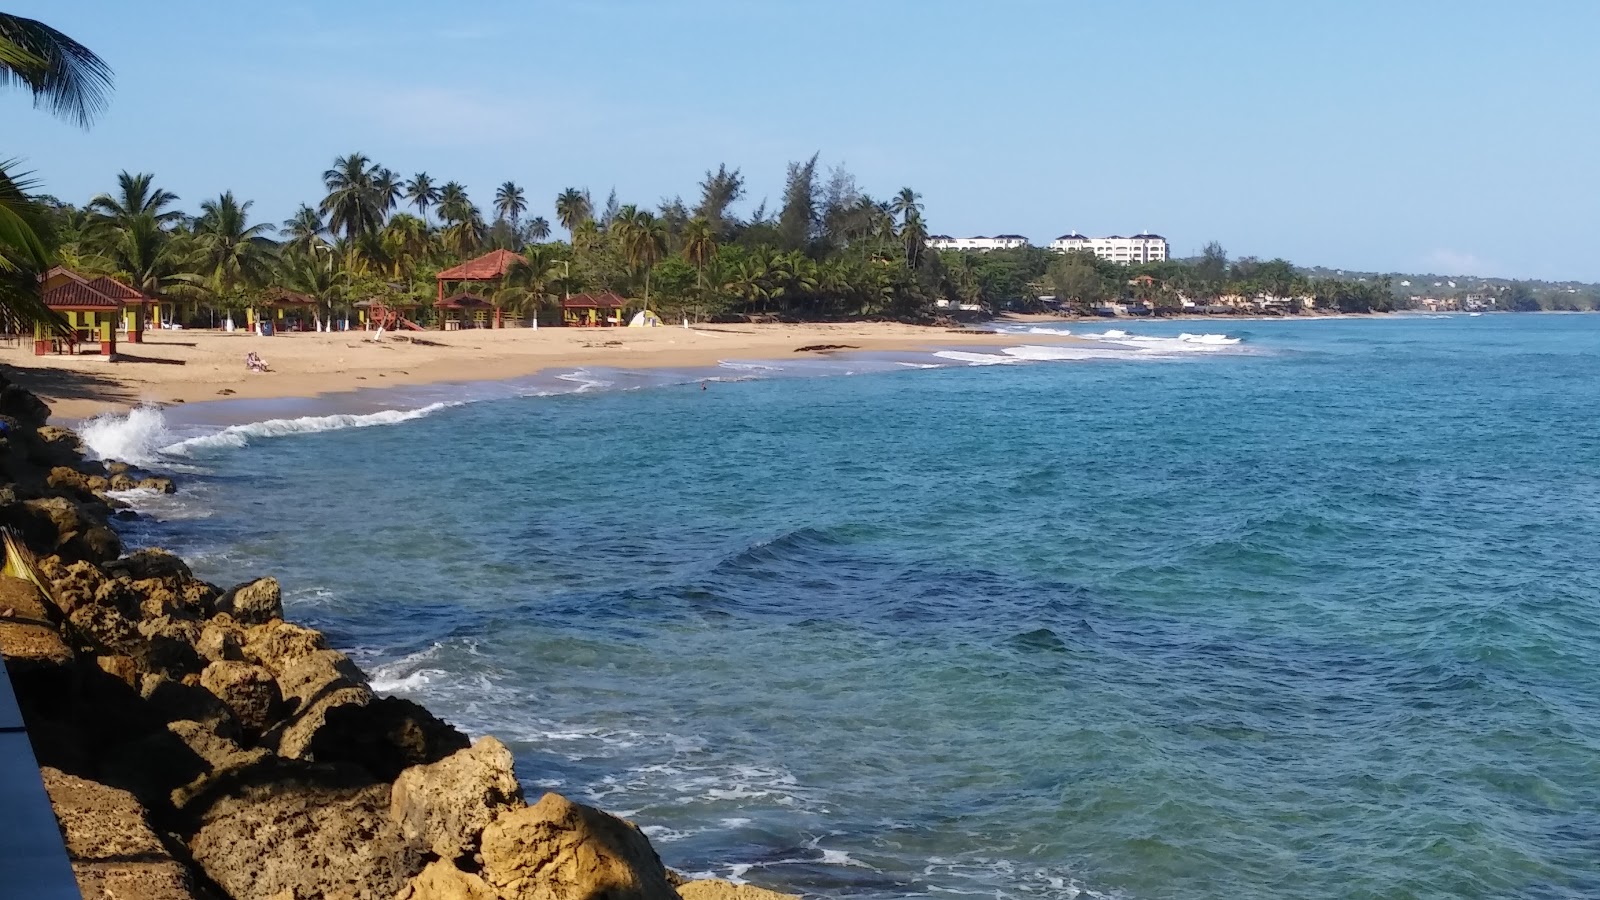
(65, 77)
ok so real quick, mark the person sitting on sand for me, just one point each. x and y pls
(254, 363)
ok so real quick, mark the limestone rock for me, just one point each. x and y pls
(108, 629)
(173, 700)
(220, 639)
(253, 603)
(73, 530)
(168, 645)
(113, 850)
(151, 563)
(249, 691)
(313, 840)
(158, 484)
(442, 881)
(712, 889)
(121, 668)
(72, 585)
(384, 735)
(560, 850)
(447, 804)
(28, 638)
(276, 644)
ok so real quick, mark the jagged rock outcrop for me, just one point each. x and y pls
(314, 840)
(711, 889)
(560, 850)
(446, 805)
(113, 850)
(254, 603)
(249, 691)
(442, 881)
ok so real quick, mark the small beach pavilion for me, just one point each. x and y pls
(464, 311)
(592, 310)
(490, 268)
(286, 310)
(93, 313)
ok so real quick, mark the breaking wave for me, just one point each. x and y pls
(142, 436)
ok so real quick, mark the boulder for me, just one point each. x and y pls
(158, 484)
(220, 639)
(169, 645)
(108, 630)
(318, 676)
(151, 563)
(122, 668)
(71, 585)
(75, 483)
(560, 850)
(253, 603)
(443, 881)
(447, 804)
(53, 445)
(26, 409)
(249, 691)
(28, 637)
(122, 481)
(113, 850)
(310, 839)
(276, 644)
(712, 889)
(72, 530)
(173, 700)
(385, 735)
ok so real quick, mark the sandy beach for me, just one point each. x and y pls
(191, 366)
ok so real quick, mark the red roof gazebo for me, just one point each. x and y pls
(490, 267)
(590, 309)
(456, 307)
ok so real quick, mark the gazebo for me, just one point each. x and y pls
(91, 314)
(593, 310)
(490, 267)
(136, 306)
(283, 307)
(464, 311)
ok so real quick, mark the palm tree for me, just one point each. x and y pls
(467, 233)
(537, 230)
(454, 205)
(136, 196)
(23, 253)
(354, 204)
(388, 189)
(152, 259)
(231, 252)
(510, 203)
(906, 204)
(304, 230)
(914, 236)
(406, 243)
(643, 238)
(699, 247)
(422, 193)
(573, 208)
(62, 74)
(531, 282)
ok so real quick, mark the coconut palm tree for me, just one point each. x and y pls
(354, 203)
(153, 260)
(62, 74)
(466, 234)
(643, 238)
(537, 229)
(231, 252)
(906, 204)
(136, 196)
(388, 188)
(914, 237)
(454, 205)
(304, 230)
(422, 193)
(510, 203)
(573, 208)
(532, 281)
(406, 243)
(699, 247)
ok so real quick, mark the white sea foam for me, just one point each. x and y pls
(585, 380)
(237, 436)
(135, 437)
(1035, 353)
(977, 359)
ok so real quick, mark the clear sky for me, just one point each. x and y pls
(1452, 136)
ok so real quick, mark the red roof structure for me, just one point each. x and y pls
(281, 297)
(606, 300)
(78, 295)
(116, 290)
(462, 301)
(488, 267)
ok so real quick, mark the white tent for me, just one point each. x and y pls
(645, 319)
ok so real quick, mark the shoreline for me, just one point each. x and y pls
(195, 745)
(178, 367)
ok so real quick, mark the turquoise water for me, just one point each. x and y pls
(1316, 616)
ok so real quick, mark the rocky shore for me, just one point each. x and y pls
(195, 744)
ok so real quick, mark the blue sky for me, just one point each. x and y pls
(1452, 136)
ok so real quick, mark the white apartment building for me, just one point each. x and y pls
(980, 243)
(1141, 248)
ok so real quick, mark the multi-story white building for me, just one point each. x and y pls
(1141, 248)
(980, 243)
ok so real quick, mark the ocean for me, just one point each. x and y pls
(1307, 610)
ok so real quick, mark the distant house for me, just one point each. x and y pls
(980, 243)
